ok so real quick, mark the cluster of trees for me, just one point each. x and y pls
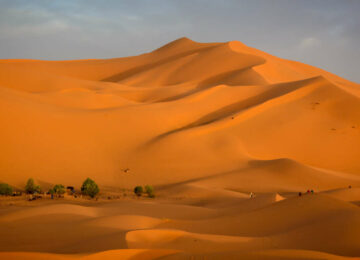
(58, 190)
(5, 189)
(31, 187)
(89, 188)
(149, 190)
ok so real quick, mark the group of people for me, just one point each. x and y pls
(252, 195)
(308, 191)
(312, 191)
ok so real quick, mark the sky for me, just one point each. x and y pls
(322, 33)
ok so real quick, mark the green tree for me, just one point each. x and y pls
(5, 189)
(138, 190)
(150, 191)
(90, 188)
(59, 189)
(31, 188)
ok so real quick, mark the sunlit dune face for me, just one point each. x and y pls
(185, 110)
(251, 156)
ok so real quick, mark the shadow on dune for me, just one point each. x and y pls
(234, 109)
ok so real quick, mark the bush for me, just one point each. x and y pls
(150, 191)
(89, 188)
(138, 190)
(31, 188)
(58, 189)
(5, 189)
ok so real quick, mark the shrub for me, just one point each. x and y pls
(150, 191)
(59, 189)
(5, 189)
(90, 188)
(138, 190)
(31, 188)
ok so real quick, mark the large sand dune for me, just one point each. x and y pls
(206, 124)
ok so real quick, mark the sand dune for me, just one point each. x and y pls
(127, 222)
(50, 210)
(228, 135)
(110, 254)
(347, 194)
(185, 241)
(223, 92)
(266, 255)
(297, 223)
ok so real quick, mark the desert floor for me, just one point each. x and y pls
(206, 124)
(217, 225)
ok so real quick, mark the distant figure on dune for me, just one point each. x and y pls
(252, 195)
(349, 186)
(312, 191)
(300, 194)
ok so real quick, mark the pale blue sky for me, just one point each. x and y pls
(323, 33)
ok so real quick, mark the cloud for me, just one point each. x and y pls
(20, 21)
(309, 42)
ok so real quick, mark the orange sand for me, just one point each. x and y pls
(206, 124)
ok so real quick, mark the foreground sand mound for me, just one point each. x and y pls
(185, 241)
(111, 254)
(59, 209)
(126, 222)
(295, 223)
(165, 227)
(264, 254)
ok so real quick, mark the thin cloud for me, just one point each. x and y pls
(309, 42)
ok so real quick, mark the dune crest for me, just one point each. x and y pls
(252, 156)
(204, 100)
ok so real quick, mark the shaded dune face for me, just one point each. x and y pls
(228, 135)
(186, 112)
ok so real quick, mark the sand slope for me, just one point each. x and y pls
(212, 107)
(206, 124)
(291, 228)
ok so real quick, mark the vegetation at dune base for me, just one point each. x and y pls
(90, 188)
(51, 191)
(138, 190)
(5, 189)
(31, 188)
(58, 190)
(150, 191)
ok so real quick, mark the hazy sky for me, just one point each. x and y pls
(323, 33)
